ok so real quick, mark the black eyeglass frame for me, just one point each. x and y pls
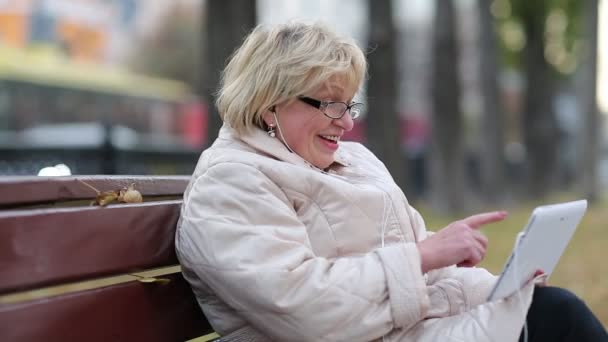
(321, 105)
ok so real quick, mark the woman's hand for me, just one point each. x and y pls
(459, 243)
(541, 282)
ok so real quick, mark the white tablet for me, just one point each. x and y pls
(540, 245)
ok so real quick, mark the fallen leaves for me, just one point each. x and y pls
(124, 195)
(130, 195)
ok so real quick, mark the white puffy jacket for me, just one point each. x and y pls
(270, 243)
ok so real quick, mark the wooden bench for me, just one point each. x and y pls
(74, 272)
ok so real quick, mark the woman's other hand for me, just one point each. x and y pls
(459, 243)
(541, 281)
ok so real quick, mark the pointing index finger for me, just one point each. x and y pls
(476, 221)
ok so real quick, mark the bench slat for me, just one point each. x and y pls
(42, 247)
(131, 311)
(27, 189)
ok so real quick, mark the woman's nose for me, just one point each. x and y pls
(346, 122)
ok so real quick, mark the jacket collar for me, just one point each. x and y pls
(261, 141)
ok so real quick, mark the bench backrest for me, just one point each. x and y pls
(71, 271)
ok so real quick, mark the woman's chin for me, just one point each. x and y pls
(323, 163)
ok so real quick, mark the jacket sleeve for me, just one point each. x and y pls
(241, 235)
(475, 284)
(463, 287)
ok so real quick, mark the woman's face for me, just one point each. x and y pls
(307, 131)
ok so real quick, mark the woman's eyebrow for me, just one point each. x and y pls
(333, 97)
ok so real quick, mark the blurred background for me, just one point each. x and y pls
(489, 99)
(471, 104)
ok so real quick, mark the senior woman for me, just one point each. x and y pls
(289, 234)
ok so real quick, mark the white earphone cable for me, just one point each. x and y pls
(385, 210)
(518, 281)
(384, 220)
(276, 119)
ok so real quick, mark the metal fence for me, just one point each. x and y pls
(23, 160)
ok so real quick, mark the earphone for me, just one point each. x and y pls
(276, 119)
(518, 240)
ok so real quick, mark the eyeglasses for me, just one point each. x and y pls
(334, 109)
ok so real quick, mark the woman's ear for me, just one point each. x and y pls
(269, 116)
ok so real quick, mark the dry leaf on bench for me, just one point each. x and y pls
(130, 195)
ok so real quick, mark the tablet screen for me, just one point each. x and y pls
(539, 246)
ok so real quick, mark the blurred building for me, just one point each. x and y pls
(77, 28)
(350, 19)
(13, 22)
(98, 31)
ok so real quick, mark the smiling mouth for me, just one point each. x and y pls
(331, 138)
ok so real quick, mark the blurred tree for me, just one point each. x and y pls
(227, 23)
(543, 39)
(447, 156)
(383, 129)
(590, 149)
(492, 121)
(561, 27)
(540, 129)
(174, 50)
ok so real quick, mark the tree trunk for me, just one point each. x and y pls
(383, 129)
(227, 23)
(447, 157)
(539, 120)
(492, 159)
(589, 178)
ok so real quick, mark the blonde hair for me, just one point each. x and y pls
(275, 65)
